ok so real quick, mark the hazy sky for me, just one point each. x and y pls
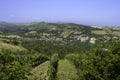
(91, 12)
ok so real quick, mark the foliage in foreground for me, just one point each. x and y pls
(12, 67)
(101, 64)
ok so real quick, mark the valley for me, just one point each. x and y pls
(59, 51)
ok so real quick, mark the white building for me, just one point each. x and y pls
(84, 39)
(92, 40)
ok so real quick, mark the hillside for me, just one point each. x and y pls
(11, 47)
(39, 72)
(58, 51)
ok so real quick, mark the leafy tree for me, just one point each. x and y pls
(10, 67)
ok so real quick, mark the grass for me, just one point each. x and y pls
(13, 36)
(99, 32)
(40, 72)
(66, 71)
(11, 47)
(117, 33)
(102, 32)
(32, 32)
(66, 33)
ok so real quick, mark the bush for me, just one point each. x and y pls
(53, 67)
(10, 67)
(36, 60)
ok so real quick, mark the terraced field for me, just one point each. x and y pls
(40, 72)
(66, 71)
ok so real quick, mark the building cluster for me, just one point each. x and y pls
(75, 36)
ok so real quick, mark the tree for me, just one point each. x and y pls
(10, 67)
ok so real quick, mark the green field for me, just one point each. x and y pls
(66, 71)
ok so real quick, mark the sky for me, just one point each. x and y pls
(90, 12)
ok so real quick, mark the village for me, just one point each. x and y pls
(78, 36)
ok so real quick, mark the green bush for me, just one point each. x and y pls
(10, 67)
(53, 67)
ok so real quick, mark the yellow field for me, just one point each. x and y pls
(99, 32)
(40, 72)
(11, 47)
(13, 36)
(102, 32)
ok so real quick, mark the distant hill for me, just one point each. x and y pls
(36, 29)
(41, 27)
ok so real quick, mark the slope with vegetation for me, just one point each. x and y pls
(66, 71)
(41, 52)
